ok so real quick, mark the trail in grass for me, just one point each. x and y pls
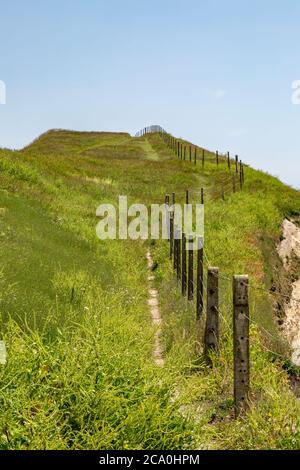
(155, 314)
(148, 149)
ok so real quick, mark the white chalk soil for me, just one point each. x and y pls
(155, 315)
(291, 245)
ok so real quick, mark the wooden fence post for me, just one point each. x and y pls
(195, 155)
(173, 200)
(199, 307)
(187, 196)
(217, 157)
(190, 269)
(184, 153)
(175, 248)
(211, 336)
(171, 233)
(183, 265)
(190, 153)
(203, 157)
(236, 164)
(241, 342)
(202, 196)
(222, 192)
(228, 160)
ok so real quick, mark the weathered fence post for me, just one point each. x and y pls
(202, 196)
(199, 306)
(187, 196)
(222, 192)
(167, 204)
(211, 335)
(203, 157)
(228, 160)
(173, 200)
(241, 342)
(184, 153)
(190, 269)
(175, 262)
(236, 164)
(183, 265)
(190, 153)
(195, 155)
(171, 233)
(217, 157)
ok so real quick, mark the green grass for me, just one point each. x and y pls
(74, 311)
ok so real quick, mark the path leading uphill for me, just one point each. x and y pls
(155, 314)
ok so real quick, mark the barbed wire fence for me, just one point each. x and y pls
(199, 280)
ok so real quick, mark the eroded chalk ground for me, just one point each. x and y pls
(288, 247)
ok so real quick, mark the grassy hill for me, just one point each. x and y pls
(74, 313)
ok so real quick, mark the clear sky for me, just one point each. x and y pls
(216, 72)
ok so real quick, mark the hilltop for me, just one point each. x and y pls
(74, 312)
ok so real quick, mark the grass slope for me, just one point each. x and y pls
(74, 311)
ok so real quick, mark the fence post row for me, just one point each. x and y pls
(241, 342)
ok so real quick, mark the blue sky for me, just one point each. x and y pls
(218, 73)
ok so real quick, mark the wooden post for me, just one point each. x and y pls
(187, 196)
(190, 153)
(190, 269)
(203, 157)
(202, 196)
(195, 155)
(173, 200)
(171, 233)
(241, 342)
(184, 153)
(167, 204)
(217, 157)
(199, 283)
(236, 164)
(178, 149)
(243, 175)
(222, 192)
(175, 262)
(211, 335)
(228, 160)
(183, 265)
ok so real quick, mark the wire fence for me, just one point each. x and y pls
(202, 286)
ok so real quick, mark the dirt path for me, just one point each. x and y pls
(155, 314)
(291, 245)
